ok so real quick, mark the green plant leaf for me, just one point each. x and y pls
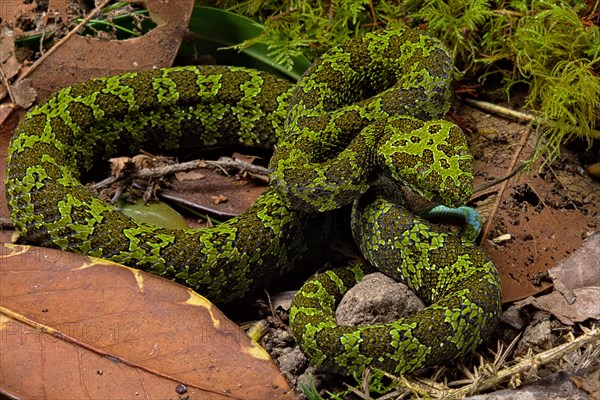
(155, 213)
(219, 30)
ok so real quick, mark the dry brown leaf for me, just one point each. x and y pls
(11, 10)
(77, 327)
(197, 194)
(8, 62)
(60, 7)
(218, 199)
(118, 164)
(576, 279)
(142, 161)
(82, 58)
(23, 94)
(250, 159)
(590, 383)
(581, 269)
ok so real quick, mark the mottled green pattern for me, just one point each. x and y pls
(156, 111)
(367, 108)
(453, 276)
(336, 124)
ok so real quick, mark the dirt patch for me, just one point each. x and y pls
(547, 211)
(532, 221)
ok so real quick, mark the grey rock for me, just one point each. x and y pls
(377, 299)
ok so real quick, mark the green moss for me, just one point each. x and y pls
(550, 45)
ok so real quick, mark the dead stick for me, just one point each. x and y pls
(63, 40)
(522, 142)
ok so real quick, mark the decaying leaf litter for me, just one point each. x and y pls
(553, 196)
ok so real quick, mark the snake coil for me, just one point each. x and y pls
(368, 110)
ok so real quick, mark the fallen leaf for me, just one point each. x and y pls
(144, 161)
(219, 32)
(81, 58)
(8, 62)
(576, 280)
(23, 94)
(218, 199)
(590, 383)
(197, 194)
(153, 212)
(119, 164)
(250, 159)
(78, 327)
(581, 269)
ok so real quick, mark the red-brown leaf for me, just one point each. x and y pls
(78, 327)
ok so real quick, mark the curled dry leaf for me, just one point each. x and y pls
(219, 199)
(119, 165)
(8, 62)
(142, 161)
(23, 94)
(250, 159)
(576, 279)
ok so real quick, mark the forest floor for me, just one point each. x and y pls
(540, 228)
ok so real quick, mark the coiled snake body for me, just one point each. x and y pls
(365, 112)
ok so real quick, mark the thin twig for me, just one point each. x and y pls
(488, 378)
(64, 39)
(224, 163)
(592, 337)
(7, 86)
(489, 184)
(501, 111)
(513, 162)
(523, 117)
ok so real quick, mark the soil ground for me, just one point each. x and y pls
(532, 221)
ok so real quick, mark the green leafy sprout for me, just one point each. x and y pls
(550, 45)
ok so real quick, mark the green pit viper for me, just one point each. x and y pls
(363, 119)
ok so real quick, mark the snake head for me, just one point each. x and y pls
(430, 157)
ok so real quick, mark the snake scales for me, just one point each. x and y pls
(361, 120)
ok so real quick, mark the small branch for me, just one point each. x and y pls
(494, 182)
(64, 39)
(592, 338)
(225, 163)
(513, 162)
(499, 110)
(7, 86)
(523, 117)
(484, 377)
(230, 163)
